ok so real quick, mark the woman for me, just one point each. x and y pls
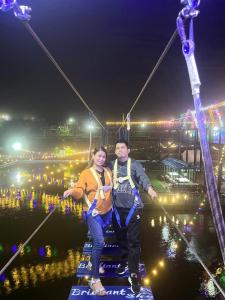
(95, 184)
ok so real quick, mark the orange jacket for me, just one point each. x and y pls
(88, 185)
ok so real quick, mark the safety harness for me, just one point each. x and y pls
(116, 181)
(100, 194)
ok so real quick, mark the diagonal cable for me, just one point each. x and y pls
(52, 59)
(168, 46)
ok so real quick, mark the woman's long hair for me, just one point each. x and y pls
(101, 148)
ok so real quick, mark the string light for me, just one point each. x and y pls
(147, 281)
(161, 263)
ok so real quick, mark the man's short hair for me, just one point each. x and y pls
(122, 141)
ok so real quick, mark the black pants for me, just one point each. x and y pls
(128, 238)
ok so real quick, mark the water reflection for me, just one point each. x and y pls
(171, 243)
(25, 199)
(31, 275)
(43, 251)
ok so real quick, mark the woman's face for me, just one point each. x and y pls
(99, 158)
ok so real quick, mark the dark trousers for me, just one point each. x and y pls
(128, 238)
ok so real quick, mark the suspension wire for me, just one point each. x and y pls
(191, 248)
(52, 59)
(26, 242)
(168, 46)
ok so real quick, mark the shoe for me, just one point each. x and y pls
(122, 269)
(101, 269)
(89, 266)
(134, 283)
(97, 288)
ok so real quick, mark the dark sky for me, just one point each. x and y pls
(108, 48)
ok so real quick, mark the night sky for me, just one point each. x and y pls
(108, 48)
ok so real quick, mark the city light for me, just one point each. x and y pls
(161, 263)
(5, 117)
(71, 121)
(142, 123)
(18, 177)
(146, 281)
(90, 126)
(154, 272)
(17, 146)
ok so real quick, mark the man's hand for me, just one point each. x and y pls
(152, 193)
(67, 193)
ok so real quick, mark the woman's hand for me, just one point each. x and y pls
(67, 193)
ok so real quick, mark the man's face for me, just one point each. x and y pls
(121, 150)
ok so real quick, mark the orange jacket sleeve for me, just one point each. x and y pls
(80, 187)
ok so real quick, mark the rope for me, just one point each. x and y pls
(49, 55)
(26, 242)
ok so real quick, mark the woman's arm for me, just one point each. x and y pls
(78, 191)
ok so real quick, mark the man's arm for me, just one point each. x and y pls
(143, 180)
(141, 177)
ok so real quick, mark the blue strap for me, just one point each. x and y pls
(92, 207)
(104, 223)
(108, 220)
(117, 217)
(131, 211)
(133, 208)
(99, 220)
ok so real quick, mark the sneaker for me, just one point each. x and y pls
(122, 269)
(134, 283)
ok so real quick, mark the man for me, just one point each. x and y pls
(128, 174)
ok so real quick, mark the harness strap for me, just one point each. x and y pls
(99, 194)
(117, 180)
(101, 189)
(137, 200)
(104, 223)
